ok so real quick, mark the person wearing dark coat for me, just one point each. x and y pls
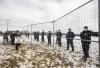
(5, 38)
(12, 36)
(28, 34)
(86, 35)
(34, 35)
(37, 35)
(59, 35)
(49, 37)
(56, 38)
(42, 36)
(69, 36)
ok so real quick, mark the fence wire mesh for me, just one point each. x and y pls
(85, 15)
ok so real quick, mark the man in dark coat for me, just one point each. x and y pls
(56, 38)
(42, 36)
(37, 35)
(28, 34)
(86, 36)
(59, 35)
(5, 38)
(34, 35)
(12, 36)
(49, 37)
(69, 36)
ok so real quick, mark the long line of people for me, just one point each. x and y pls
(84, 35)
(15, 39)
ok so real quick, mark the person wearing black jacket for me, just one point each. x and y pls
(85, 36)
(59, 35)
(37, 35)
(49, 37)
(12, 36)
(28, 34)
(56, 38)
(34, 35)
(69, 36)
(5, 38)
(42, 36)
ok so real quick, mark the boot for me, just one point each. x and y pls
(16, 51)
(72, 51)
(85, 58)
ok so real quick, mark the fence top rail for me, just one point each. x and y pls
(73, 10)
(37, 24)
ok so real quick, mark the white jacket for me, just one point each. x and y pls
(17, 39)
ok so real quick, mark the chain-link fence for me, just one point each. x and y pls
(85, 15)
(7, 26)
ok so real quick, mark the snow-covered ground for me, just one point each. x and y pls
(1, 39)
(41, 55)
(76, 56)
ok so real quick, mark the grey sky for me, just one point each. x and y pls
(25, 12)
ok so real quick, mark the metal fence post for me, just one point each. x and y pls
(53, 35)
(99, 26)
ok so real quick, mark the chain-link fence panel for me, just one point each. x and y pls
(76, 20)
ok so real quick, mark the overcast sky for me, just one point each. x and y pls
(25, 12)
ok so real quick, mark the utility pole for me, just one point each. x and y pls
(7, 24)
(99, 25)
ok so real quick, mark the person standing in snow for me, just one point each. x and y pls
(56, 38)
(17, 40)
(12, 36)
(28, 34)
(86, 35)
(5, 38)
(37, 35)
(70, 35)
(34, 35)
(42, 36)
(49, 37)
(59, 35)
